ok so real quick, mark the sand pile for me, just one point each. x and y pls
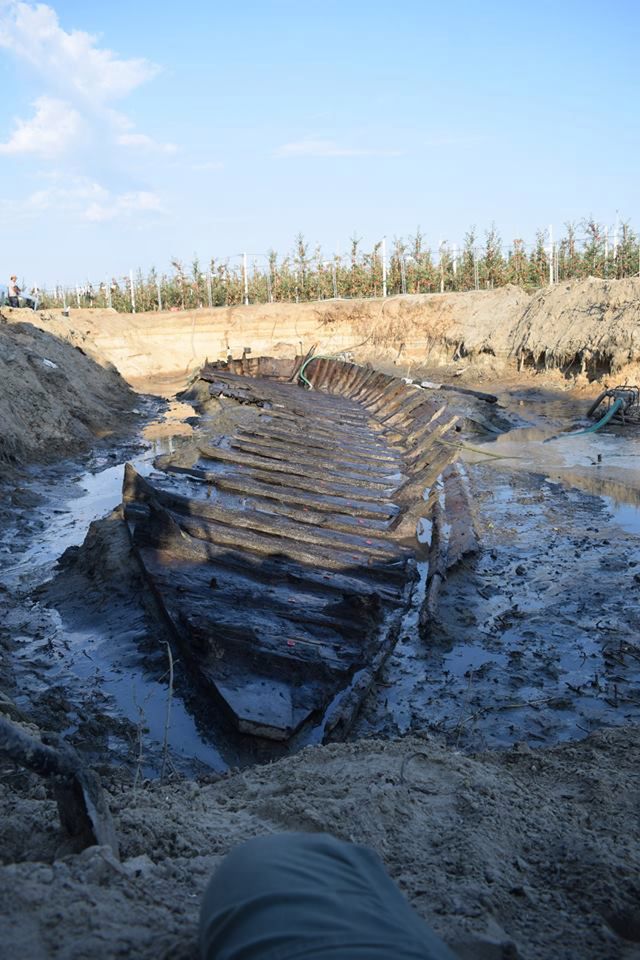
(520, 854)
(590, 327)
(54, 399)
(586, 327)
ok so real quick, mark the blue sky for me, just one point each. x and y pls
(132, 133)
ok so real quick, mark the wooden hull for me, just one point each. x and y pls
(283, 558)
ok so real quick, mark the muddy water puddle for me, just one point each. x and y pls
(538, 638)
(53, 506)
(606, 464)
(95, 658)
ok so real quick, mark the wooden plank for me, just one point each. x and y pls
(287, 586)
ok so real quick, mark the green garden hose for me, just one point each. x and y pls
(611, 412)
(317, 356)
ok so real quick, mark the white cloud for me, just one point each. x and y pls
(124, 205)
(125, 135)
(329, 148)
(68, 194)
(81, 198)
(144, 142)
(208, 165)
(69, 60)
(55, 127)
(82, 81)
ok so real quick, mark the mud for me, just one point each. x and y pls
(55, 399)
(515, 655)
(84, 653)
(520, 652)
(529, 854)
(516, 852)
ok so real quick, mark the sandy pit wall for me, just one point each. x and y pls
(589, 328)
(159, 352)
(54, 399)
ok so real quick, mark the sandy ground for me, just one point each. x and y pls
(584, 328)
(54, 400)
(517, 852)
(528, 850)
(530, 854)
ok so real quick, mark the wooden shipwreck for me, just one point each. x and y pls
(283, 554)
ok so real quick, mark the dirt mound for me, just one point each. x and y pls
(159, 351)
(438, 327)
(585, 327)
(590, 327)
(518, 854)
(53, 398)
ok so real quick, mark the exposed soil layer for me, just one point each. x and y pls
(586, 329)
(54, 399)
(591, 328)
(530, 854)
(519, 852)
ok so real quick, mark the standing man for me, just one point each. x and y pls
(14, 292)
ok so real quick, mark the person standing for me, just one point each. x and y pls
(14, 292)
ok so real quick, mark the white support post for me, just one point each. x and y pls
(551, 251)
(78, 296)
(246, 279)
(384, 266)
(107, 288)
(159, 288)
(209, 290)
(132, 290)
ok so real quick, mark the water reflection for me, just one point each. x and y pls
(604, 464)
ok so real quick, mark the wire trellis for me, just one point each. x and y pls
(402, 268)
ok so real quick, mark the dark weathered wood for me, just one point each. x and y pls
(478, 394)
(377, 451)
(286, 587)
(401, 409)
(287, 453)
(300, 361)
(311, 468)
(252, 487)
(463, 536)
(137, 490)
(83, 809)
(347, 557)
(437, 569)
(181, 552)
(453, 536)
(289, 484)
